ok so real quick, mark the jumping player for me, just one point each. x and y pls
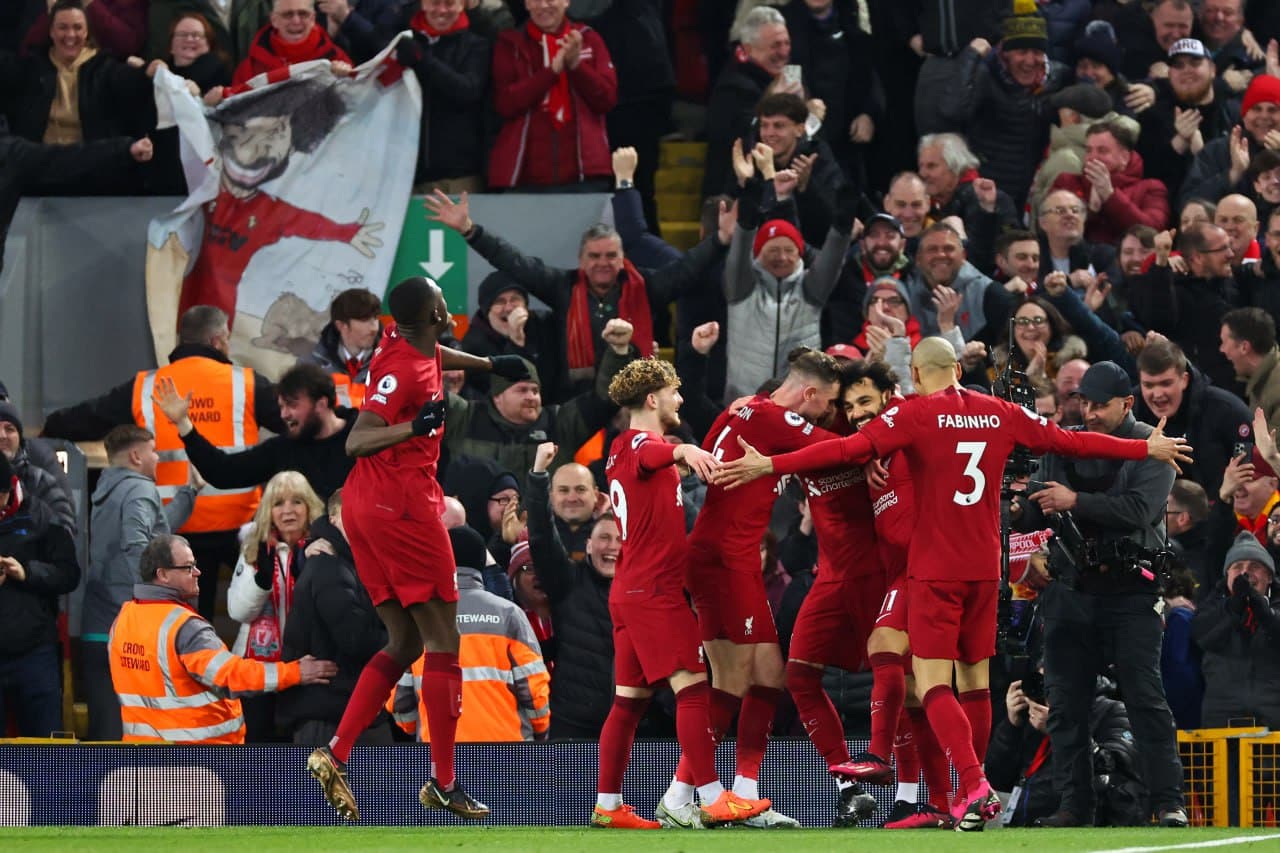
(655, 637)
(956, 443)
(391, 513)
(724, 574)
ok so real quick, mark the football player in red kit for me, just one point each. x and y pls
(655, 636)
(956, 443)
(391, 513)
(725, 578)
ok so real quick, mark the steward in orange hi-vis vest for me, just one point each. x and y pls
(222, 408)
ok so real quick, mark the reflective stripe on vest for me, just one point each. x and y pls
(203, 733)
(220, 391)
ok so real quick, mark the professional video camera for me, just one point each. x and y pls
(1122, 556)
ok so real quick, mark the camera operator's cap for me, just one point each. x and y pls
(1189, 47)
(1261, 467)
(888, 219)
(1105, 381)
(1247, 547)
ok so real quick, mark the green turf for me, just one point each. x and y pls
(342, 839)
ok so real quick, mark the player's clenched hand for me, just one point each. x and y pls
(751, 466)
(877, 474)
(509, 367)
(430, 417)
(1167, 449)
(316, 671)
(542, 456)
(703, 463)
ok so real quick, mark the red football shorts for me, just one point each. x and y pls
(407, 559)
(953, 620)
(835, 620)
(730, 599)
(653, 640)
(893, 610)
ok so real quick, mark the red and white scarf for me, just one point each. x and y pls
(557, 103)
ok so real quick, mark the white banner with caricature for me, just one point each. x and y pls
(299, 188)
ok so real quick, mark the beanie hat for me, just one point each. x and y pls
(468, 547)
(1263, 90)
(494, 285)
(1026, 28)
(9, 412)
(1247, 547)
(520, 557)
(778, 228)
(885, 282)
(502, 482)
(498, 384)
(1099, 44)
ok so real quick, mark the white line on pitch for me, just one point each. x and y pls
(1220, 842)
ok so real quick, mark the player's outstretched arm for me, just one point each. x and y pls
(371, 434)
(752, 465)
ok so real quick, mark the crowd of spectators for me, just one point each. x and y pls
(1069, 183)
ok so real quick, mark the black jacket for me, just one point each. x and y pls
(730, 111)
(981, 227)
(327, 354)
(454, 75)
(93, 419)
(332, 618)
(1013, 750)
(29, 608)
(582, 681)
(634, 33)
(324, 462)
(1159, 159)
(1212, 420)
(1240, 638)
(813, 209)
(1188, 311)
(541, 346)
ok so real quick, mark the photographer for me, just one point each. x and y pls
(1238, 627)
(1101, 609)
(1020, 757)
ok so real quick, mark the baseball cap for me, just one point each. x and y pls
(1105, 381)
(888, 219)
(1189, 47)
(848, 351)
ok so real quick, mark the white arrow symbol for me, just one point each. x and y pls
(435, 264)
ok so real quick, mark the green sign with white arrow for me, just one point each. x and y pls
(429, 248)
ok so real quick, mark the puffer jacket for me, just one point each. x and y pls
(530, 150)
(247, 599)
(1241, 662)
(127, 514)
(1135, 200)
(45, 482)
(1066, 157)
(582, 681)
(1007, 125)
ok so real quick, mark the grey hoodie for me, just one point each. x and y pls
(127, 514)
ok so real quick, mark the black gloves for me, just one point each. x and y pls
(510, 367)
(430, 417)
(1240, 586)
(411, 51)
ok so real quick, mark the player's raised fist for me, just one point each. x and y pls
(543, 455)
(430, 417)
(617, 334)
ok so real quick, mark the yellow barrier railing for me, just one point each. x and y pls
(1260, 780)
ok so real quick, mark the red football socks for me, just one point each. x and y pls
(758, 709)
(904, 751)
(377, 680)
(442, 696)
(723, 707)
(615, 741)
(693, 730)
(820, 719)
(888, 693)
(976, 705)
(933, 761)
(951, 727)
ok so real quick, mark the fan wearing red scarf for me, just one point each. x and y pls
(290, 38)
(553, 84)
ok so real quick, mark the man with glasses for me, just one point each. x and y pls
(1062, 244)
(1187, 308)
(172, 674)
(291, 37)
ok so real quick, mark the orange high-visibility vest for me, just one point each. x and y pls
(350, 394)
(159, 700)
(222, 409)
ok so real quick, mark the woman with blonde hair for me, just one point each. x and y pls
(261, 592)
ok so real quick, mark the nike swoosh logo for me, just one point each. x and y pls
(687, 824)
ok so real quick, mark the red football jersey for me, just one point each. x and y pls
(401, 381)
(840, 504)
(644, 489)
(956, 443)
(734, 522)
(895, 512)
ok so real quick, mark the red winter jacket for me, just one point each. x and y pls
(530, 150)
(1136, 201)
